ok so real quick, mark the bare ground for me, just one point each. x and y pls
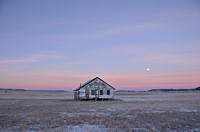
(133, 111)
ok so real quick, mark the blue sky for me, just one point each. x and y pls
(51, 44)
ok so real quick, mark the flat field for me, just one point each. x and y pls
(129, 111)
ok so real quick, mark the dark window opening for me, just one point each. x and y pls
(101, 92)
(108, 92)
(93, 92)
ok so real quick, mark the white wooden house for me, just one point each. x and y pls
(94, 89)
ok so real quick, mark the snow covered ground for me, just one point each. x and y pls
(138, 111)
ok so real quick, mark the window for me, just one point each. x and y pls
(101, 92)
(93, 92)
(108, 92)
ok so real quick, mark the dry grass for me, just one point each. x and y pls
(137, 111)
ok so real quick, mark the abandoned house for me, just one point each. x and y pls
(94, 89)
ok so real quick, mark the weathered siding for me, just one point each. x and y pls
(87, 91)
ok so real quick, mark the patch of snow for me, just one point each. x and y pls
(82, 128)
(130, 116)
(131, 99)
(100, 114)
(127, 99)
(70, 115)
(111, 109)
(65, 121)
(63, 113)
(169, 130)
(157, 111)
(138, 129)
(195, 130)
(186, 110)
(195, 110)
(33, 127)
(92, 110)
(151, 111)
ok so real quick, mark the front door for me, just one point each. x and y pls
(87, 93)
(96, 93)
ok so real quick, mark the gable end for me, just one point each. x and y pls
(90, 82)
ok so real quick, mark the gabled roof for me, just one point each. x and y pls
(91, 81)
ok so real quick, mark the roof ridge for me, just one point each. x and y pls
(91, 81)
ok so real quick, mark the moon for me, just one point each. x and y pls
(148, 69)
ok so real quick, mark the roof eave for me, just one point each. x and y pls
(91, 81)
(77, 89)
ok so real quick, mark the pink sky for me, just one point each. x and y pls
(56, 80)
(58, 45)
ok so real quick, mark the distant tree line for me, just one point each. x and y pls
(12, 89)
(162, 90)
(192, 89)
